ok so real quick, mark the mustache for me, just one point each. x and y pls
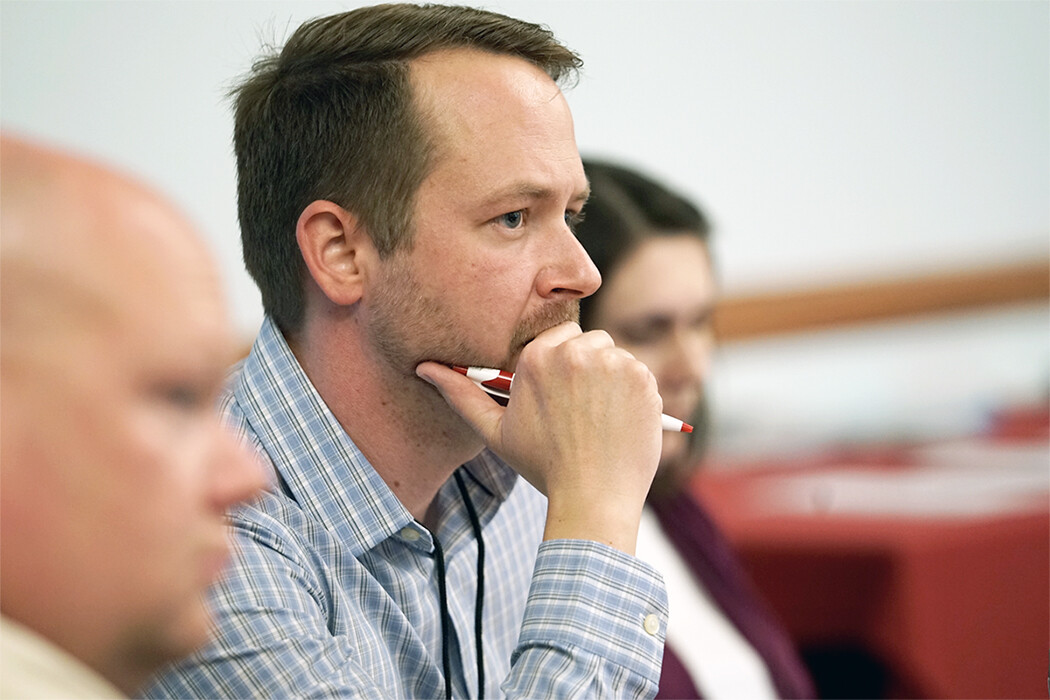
(547, 317)
(528, 328)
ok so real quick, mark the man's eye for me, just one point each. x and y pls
(185, 397)
(512, 219)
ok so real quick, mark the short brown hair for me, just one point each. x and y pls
(332, 117)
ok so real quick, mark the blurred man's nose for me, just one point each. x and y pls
(237, 473)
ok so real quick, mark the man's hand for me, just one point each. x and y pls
(582, 425)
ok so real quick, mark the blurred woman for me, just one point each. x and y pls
(657, 301)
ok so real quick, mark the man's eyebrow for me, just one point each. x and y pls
(525, 190)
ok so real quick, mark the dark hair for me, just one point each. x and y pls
(332, 117)
(626, 208)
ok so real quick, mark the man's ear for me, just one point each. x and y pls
(336, 249)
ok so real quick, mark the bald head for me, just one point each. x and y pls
(78, 239)
(113, 345)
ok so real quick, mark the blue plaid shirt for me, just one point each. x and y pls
(333, 588)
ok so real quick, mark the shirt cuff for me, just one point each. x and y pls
(594, 598)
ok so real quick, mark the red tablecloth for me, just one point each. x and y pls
(934, 559)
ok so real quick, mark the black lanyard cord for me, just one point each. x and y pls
(446, 619)
(446, 662)
(479, 600)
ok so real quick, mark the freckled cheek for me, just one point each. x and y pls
(496, 290)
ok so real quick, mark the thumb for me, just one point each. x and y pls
(466, 398)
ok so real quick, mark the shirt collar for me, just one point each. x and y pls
(492, 474)
(324, 470)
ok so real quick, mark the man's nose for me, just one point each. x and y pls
(568, 271)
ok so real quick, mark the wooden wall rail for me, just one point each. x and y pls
(750, 316)
(743, 317)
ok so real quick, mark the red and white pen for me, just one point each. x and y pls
(497, 382)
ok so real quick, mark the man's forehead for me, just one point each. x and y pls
(464, 64)
(461, 90)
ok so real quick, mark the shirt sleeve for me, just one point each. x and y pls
(594, 625)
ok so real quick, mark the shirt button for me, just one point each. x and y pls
(651, 623)
(410, 535)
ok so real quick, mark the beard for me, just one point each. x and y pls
(408, 326)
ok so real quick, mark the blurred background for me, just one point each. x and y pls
(878, 176)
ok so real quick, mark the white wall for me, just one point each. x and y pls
(828, 140)
(925, 378)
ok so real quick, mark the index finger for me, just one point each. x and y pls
(556, 335)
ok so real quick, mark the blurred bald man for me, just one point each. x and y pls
(115, 470)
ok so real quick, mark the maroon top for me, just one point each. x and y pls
(711, 559)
